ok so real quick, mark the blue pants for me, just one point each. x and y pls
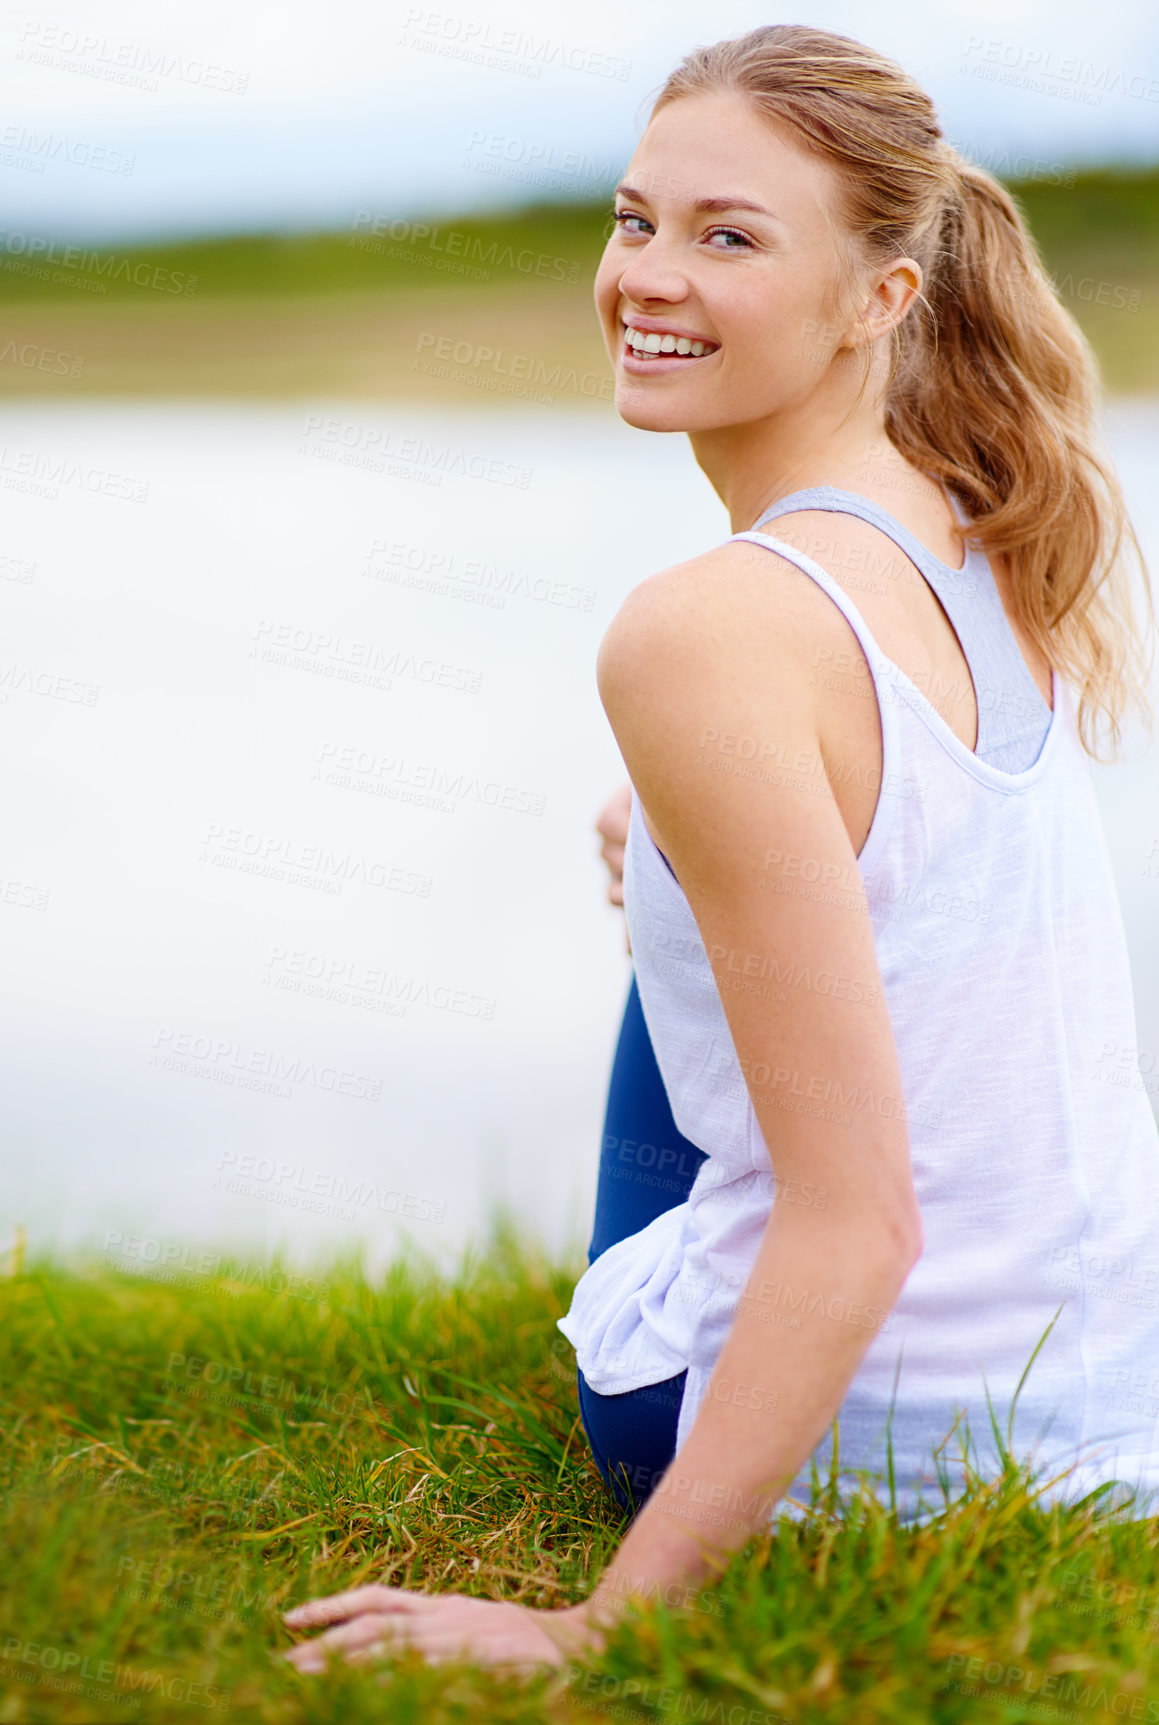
(647, 1166)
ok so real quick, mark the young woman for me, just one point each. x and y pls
(872, 916)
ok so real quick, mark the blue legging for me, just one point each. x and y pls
(646, 1167)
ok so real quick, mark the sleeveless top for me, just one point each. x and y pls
(1034, 1150)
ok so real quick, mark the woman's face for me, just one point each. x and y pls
(753, 285)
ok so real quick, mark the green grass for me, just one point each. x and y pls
(507, 246)
(423, 1428)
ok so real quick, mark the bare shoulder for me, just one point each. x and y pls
(709, 662)
(736, 610)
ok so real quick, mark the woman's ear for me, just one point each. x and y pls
(886, 301)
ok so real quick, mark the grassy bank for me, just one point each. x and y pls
(184, 1459)
(362, 313)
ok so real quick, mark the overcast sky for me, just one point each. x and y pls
(134, 118)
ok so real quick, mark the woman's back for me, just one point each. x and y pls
(913, 601)
(1004, 967)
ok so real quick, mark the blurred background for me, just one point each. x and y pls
(315, 508)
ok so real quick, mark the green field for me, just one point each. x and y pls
(184, 1459)
(361, 312)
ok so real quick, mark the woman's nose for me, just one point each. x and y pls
(653, 273)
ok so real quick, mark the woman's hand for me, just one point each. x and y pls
(612, 827)
(375, 1620)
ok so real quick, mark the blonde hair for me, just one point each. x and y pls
(993, 388)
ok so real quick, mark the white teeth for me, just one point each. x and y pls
(653, 342)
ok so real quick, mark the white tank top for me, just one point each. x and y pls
(1034, 1149)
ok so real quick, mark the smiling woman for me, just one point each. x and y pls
(874, 926)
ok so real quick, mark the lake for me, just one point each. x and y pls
(305, 929)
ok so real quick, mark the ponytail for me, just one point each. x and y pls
(994, 389)
(998, 400)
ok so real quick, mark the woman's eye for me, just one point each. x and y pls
(739, 240)
(730, 233)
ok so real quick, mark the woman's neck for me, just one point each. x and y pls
(752, 466)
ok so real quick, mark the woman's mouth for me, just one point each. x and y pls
(662, 351)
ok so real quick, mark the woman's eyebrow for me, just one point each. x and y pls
(706, 204)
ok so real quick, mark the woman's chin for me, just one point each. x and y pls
(648, 411)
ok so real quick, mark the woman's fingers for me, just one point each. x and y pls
(613, 855)
(337, 1607)
(615, 815)
(441, 1627)
(612, 827)
(366, 1635)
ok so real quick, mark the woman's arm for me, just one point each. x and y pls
(772, 1396)
(711, 652)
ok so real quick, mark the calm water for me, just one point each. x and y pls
(304, 926)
